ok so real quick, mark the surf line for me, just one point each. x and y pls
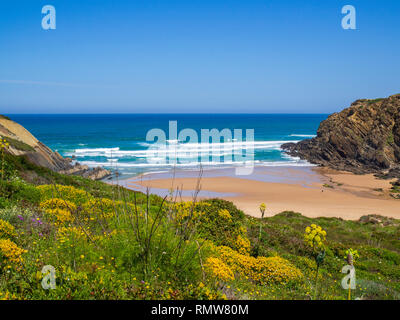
(170, 151)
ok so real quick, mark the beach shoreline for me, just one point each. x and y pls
(309, 190)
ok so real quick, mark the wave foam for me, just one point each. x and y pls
(303, 135)
(182, 149)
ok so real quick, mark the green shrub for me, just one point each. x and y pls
(4, 203)
(17, 190)
(220, 229)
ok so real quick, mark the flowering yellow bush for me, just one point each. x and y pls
(242, 244)
(7, 296)
(242, 230)
(58, 203)
(223, 213)
(185, 210)
(69, 193)
(261, 270)
(104, 208)
(61, 215)
(10, 251)
(59, 209)
(218, 269)
(65, 234)
(7, 230)
(315, 237)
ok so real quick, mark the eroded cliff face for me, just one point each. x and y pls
(363, 138)
(22, 142)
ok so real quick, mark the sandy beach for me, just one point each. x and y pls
(312, 191)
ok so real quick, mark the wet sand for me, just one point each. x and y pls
(299, 189)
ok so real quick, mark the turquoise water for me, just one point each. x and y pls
(118, 141)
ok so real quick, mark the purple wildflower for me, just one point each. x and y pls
(20, 217)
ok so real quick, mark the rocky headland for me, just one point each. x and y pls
(23, 143)
(364, 138)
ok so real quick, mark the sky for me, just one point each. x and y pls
(192, 56)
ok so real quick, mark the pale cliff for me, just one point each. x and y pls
(23, 143)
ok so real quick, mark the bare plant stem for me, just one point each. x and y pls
(316, 283)
(2, 163)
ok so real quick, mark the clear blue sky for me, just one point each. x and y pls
(262, 56)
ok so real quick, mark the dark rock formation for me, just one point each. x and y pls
(364, 138)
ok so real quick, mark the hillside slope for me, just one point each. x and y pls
(363, 138)
(23, 143)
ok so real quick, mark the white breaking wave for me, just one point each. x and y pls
(182, 150)
(187, 155)
(303, 135)
(83, 150)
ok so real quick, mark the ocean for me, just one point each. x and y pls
(118, 141)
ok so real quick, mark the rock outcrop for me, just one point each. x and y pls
(380, 220)
(364, 138)
(97, 173)
(22, 142)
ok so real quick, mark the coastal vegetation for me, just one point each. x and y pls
(106, 242)
(19, 145)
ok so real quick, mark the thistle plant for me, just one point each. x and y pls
(314, 238)
(3, 145)
(262, 210)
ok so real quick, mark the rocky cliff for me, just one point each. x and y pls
(363, 138)
(22, 142)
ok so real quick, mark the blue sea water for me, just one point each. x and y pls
(118, 141)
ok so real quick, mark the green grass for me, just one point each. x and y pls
(375, 101)
(19, 145)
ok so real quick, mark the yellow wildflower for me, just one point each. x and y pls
(7, 230)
